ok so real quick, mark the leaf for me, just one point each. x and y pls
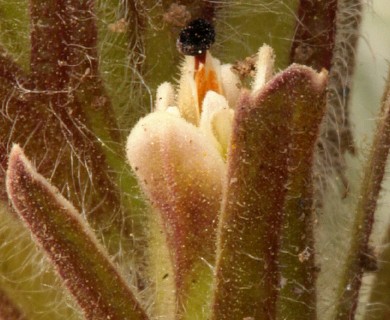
(80, 260)
(247, 270)
(297, 295)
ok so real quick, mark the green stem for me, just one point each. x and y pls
(356, 263)
(378, 306)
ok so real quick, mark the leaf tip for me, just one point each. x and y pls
(17, 161)
(317, 80)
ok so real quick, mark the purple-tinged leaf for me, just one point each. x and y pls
(297, 295)
(70, 244)
(247, 270)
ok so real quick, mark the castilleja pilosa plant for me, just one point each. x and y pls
(207, 206)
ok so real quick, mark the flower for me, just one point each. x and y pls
(178, 152)
(193, 147)
(60, 112)
(202, 108)
(178, 155)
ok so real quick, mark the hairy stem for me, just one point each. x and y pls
(336, 132)
(359, 252)
(9, 70)
(379, 299)
(314, 38)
